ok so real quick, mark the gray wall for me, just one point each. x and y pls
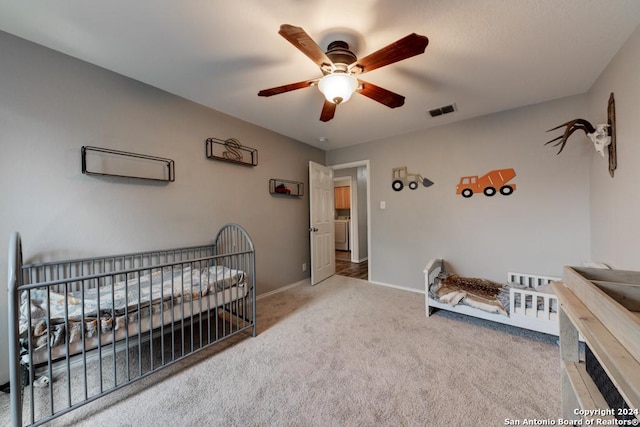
(51, 105)
(615, 202)
(566, 210)
(542, 226)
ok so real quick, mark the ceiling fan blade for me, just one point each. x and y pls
(300, 39)
(383, 96)
(409, 46)
(328, 111)
(287, 88)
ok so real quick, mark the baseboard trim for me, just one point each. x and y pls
(402, 288)
(306, 281)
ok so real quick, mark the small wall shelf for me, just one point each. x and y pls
(231, 150)
(122, 164)
(283, 187)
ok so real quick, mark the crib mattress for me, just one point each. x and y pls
(113, 311)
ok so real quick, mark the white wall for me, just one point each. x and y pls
(615, 202)
(541, 227)
(51, 105)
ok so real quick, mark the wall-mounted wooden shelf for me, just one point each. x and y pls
(122, 164)
(283, 187)
(231, 150)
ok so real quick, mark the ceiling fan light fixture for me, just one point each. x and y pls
(338, 87)
(339, 66)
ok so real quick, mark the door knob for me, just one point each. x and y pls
(313, 229)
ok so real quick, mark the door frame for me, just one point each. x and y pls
(353, 231)
(367, 166)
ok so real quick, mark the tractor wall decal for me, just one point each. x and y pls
(489, 184)
(401, 177)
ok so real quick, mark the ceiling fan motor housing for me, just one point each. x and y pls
(339, 53)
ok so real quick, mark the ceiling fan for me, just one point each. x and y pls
(340, 67)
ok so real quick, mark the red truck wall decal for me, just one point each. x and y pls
(489, 184)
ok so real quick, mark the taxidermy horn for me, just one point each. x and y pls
(571, 127)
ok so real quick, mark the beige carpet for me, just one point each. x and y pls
(347, 353)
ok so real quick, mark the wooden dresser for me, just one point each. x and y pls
(603, 308)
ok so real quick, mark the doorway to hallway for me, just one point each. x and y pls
(355, 260)
(344, 266)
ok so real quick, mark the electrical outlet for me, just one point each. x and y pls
(304, 266)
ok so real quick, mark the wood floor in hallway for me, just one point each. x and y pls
(344, 267)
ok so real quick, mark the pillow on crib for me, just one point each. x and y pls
(517, 285)
(452, 298)
(489, 305)
(437, 283)
(546, 288)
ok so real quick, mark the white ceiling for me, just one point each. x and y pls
(484, 55)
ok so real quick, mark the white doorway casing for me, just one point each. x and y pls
(355, 214)
(346, 181)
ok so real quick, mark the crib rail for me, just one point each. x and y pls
(530, 280)
(46, 273)
(15, 377)
(124, 318)
(531, 309)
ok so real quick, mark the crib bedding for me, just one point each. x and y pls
(483, 294)
(128, 315)
(157, 297)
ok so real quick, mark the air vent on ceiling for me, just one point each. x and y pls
(443, 110)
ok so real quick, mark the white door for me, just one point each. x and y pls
(322, 213)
